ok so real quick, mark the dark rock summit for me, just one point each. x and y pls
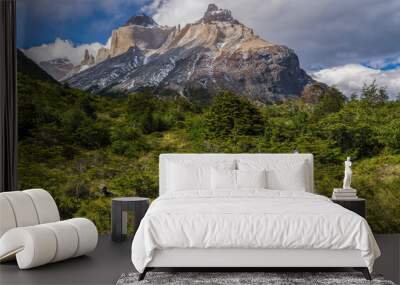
(141, 20)
(214, 14)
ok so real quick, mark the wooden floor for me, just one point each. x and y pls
(110, 260)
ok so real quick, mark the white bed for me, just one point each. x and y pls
(250, 227)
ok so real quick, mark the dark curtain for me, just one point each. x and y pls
(8, 98)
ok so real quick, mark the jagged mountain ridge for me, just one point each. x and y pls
(217, 52)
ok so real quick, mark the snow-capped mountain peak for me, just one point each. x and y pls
(215, 53)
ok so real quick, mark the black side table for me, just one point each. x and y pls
(119, 214)
(358, 205)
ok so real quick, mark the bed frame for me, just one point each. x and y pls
(244, 259)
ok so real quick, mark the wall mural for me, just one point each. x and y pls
(104, 87)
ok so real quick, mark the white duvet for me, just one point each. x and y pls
(250, 219)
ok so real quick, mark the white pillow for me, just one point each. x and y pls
(223, 179)
(281, 174)
(193, 174)
(188, 177)
(251, 178)
(227, 179)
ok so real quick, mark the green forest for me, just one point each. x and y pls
(80, 146)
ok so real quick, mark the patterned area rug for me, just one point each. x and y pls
(243, 278)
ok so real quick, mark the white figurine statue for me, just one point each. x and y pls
(347, 174)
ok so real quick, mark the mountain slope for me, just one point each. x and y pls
(217, 52)
(109, 72)
(57, 68)
(28, 67)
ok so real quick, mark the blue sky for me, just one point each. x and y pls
(80, 21)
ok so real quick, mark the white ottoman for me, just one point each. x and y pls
(33, 243)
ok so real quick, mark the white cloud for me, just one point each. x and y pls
(171, 13)
(381, 63)
(322, 32)
(61, 49)
(350, 78)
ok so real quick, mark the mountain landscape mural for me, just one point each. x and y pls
(105, 87)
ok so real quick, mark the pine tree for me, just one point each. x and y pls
(231, 116)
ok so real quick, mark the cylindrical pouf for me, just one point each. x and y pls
(33, 246)
(67, 240)
(87, 235)
(23, 208)
(7, 218)
(45, 205)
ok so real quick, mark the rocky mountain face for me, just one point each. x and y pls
(140, 31)
(88, 59)
(58, 68)
(108, 72)
(217, 52)
(143, 37)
